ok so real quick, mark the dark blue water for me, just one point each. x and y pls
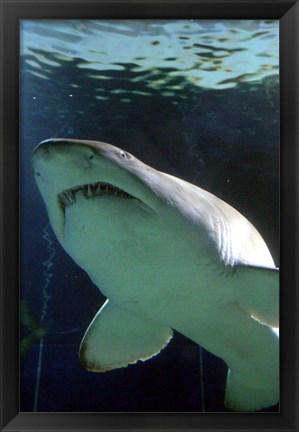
(218, 129)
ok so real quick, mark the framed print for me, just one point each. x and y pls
(149, 214)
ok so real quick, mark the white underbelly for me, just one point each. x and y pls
(129, 253)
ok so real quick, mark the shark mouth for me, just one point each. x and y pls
(68, 196)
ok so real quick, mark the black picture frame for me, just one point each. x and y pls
(11, 12)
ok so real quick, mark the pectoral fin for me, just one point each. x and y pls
(258, 293)
(116, 338)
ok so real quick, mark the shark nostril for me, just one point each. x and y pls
(46, 150)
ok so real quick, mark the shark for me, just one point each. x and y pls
(168, 256)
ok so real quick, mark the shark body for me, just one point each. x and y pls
(167, 255)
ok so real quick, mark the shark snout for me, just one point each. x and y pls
(68, 144)
(60, 164)
(65, 153)
(63, 147)
(42, 150)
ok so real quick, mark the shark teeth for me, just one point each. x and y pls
(68, 196)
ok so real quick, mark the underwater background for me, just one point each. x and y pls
(194, 98)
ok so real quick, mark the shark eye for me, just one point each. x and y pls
(124, 155)
(91, 156)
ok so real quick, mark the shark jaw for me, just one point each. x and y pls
(105, 170)
(69, 196)
(98, 190)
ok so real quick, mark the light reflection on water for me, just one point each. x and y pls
(173, 53)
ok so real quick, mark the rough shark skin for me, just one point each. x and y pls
(167, 255)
